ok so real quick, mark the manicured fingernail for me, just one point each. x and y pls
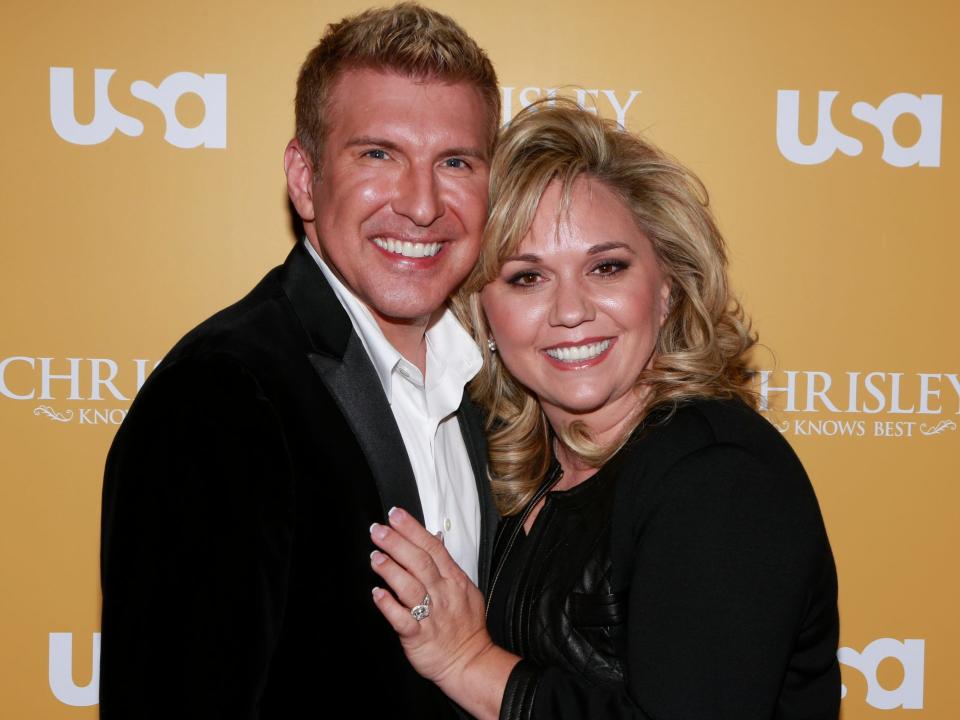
(378, 531)
(377, 557)
(390, 511)
(378, 593)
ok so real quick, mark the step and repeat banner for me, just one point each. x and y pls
(143, 189)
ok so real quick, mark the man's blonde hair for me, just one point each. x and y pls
(407, 39)
(703, 345)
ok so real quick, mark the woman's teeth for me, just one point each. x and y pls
(408, 249)
(578, 353)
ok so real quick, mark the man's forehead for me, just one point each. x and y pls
(382, 104)
(364, 84)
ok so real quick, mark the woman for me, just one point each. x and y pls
(663, 554)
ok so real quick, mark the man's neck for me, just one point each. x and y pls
(408, 336)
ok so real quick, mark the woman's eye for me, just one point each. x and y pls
(524, 279)
(609, 267)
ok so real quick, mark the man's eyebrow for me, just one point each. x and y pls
(604, 247)
(467, 151)
(368, 140)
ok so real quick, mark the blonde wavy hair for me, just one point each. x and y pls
(703, 345)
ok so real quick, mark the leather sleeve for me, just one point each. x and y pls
(518, 696)
(196, 541)
(732, 605)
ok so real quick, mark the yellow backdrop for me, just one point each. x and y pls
(142, 190)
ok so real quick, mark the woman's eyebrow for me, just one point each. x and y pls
(604, 247)
(528, 257)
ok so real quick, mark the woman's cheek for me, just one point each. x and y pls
(523, 321)
(514, 323)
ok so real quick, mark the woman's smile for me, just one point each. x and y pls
(579, 355)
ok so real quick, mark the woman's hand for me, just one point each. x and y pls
(450, 645)
(415, 564)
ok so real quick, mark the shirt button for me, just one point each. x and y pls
(447, 525)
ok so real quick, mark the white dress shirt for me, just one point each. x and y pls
(424, 409)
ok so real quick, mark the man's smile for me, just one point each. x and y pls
(407, 248)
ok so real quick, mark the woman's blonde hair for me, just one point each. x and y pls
(703, 345)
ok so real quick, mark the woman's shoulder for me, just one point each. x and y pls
(702, 440)
(718, 459)
(696, 425)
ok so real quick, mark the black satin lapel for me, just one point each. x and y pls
(314, 303)
(355, 386)
(471, 426)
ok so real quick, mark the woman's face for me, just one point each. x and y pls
(576, 312)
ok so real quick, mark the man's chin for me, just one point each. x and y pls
(419, 313)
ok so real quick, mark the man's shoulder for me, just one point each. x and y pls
(233, 346)
(259, 320)
(292, 310)
(262, 338)
(251, 360)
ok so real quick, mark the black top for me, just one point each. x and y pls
(691, 577)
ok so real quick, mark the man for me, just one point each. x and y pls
(239, 491)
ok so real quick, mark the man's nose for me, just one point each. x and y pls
(571, 304)
(417, 196)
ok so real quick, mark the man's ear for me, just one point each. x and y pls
(299, 172)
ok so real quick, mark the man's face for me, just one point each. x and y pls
(401, 198)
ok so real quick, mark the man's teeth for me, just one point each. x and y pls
(408, 249)
(578, 353)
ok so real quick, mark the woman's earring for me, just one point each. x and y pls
(491, 345)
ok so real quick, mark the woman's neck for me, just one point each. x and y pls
(605, 427)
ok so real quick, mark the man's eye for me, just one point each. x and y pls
(456, 163)
(376, 154)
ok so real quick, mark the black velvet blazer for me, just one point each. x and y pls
(236, 505)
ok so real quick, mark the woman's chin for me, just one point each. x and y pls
(580, 407)
(602, 407)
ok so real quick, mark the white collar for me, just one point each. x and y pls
(453, 358)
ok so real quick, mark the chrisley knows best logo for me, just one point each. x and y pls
(861, 404)
(85, 391)
(609, 103)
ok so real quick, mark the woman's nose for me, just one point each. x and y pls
(571, 305)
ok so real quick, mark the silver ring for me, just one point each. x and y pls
(421, 611)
